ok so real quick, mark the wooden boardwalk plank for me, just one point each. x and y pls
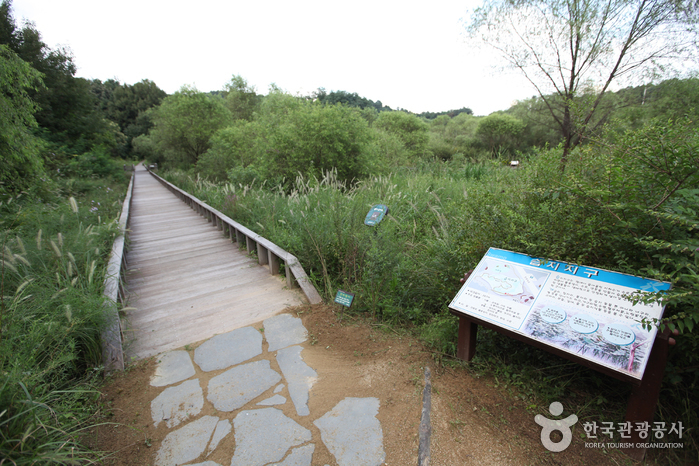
(186, 281)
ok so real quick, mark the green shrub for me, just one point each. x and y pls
(94, 164)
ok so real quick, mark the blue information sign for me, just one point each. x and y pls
(344, 298)
(375, 215)
(582, 310)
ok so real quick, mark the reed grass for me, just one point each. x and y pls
(53, 264)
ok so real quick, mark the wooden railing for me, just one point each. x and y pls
(112, 351)
(268, 253)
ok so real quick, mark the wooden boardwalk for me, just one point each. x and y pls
(185, 280)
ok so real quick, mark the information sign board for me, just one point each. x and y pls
(375, 215)
(580, 310)
(344, 298)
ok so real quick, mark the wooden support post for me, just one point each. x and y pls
(644, 397)
(239, 239)
(290, 280)
(231, 235)
(273, 263)
(249, 244)
(466, 346)
(262, 258)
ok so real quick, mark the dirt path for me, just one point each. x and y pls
(473, 422)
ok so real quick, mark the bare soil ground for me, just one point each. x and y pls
(473, 421)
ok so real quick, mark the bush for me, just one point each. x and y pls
(94, 164)
(408, 128)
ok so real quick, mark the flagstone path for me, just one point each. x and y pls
(249, 397)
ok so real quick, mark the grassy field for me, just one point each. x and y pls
(56, 243)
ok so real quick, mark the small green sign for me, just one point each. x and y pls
(344, 298)
(375, 215)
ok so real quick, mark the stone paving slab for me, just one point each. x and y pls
(284, 330)
(273, 401)
(173, 367)
(300, 456)
(298, 375)
(261, 435)
(229, 349)
(187, 443)
(265, 435)
(177, 404)
(223, 428)
(236, 387)
(352, 432)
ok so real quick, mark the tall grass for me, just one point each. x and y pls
(442, 219)
(400, 270)
(52, 272)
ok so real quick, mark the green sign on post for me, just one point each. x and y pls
(375, 215)
(344, 298)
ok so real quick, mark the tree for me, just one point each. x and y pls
(18, 147)
(350, 99)
(127, 106)
(67, 112)
(241, 98)
(7, 25)
(184, 123)
(231, 147)
(408, 127)
(298, 136)
(571, 51)
(499, 132)
(449, 113)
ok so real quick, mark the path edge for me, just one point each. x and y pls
(112, 349)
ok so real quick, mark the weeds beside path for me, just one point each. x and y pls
(54, 254)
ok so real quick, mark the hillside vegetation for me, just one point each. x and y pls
(303, 171)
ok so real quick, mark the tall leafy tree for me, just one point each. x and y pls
(572, 51)
(241, 98)
(7, 25)
(67, 113)
(184, 123)
(18, 147)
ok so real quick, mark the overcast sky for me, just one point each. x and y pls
(407, 55)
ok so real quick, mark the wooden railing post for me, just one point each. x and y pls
(262, 257)
(273, 263)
